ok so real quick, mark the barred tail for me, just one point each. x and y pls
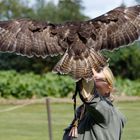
(81, 68)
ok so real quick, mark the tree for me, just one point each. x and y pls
(45, 11)
(66, 10)
(69, 10)
(14, 9)
(125, 62)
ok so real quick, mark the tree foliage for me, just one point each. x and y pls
(125, 62)
(14, 9)
(66, 10)
(70, 10)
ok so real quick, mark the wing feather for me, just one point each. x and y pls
(31, 38)
(116, 28)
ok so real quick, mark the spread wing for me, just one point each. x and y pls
(30, 38)
(80, 42)
(116, 28)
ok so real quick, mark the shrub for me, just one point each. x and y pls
(128, 87)
(13, 84)
(28, 85)
(125, 62)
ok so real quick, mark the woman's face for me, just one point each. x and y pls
(101, 83)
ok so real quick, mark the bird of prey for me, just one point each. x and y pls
(80, 43)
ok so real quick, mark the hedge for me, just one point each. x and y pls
(128, 87)
(28, 85)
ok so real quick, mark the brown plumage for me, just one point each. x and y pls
(80, 43)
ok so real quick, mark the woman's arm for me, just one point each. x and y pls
(93, 94)
(96, 105)
(100, 110)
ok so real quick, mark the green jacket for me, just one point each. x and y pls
(101, 121)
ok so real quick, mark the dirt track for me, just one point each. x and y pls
(61, 100)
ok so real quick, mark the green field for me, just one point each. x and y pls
(30, 122)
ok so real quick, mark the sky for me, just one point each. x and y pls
(94, 8)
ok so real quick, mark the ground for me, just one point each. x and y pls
(27, 119)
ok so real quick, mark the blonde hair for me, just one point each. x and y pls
(109, 76)
(110, 80)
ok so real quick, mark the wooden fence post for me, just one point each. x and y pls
(49, 118)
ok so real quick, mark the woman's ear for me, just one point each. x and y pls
(110, 87)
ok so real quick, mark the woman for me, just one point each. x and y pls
(96, 119)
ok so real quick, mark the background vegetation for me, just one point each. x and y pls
(30, 85)
(21, 77)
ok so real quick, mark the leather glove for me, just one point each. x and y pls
(86, 89)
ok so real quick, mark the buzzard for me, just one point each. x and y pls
(80, 43)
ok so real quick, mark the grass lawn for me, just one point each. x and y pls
(30, 122)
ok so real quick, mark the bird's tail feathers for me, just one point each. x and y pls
(81, 68)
